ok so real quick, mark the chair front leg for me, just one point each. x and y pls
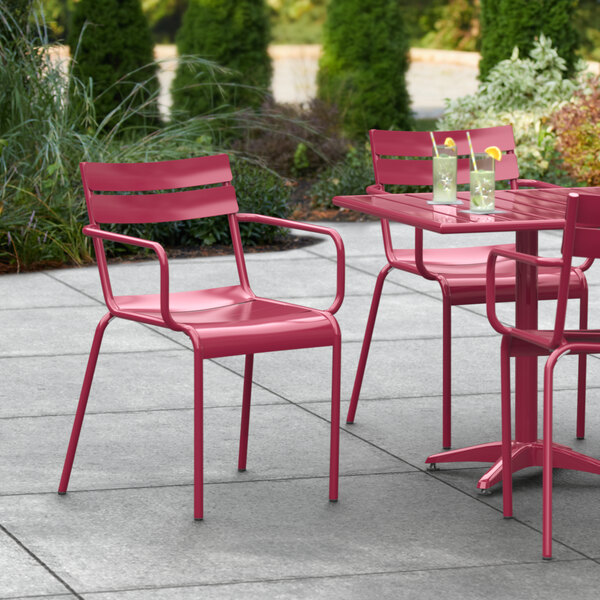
(198, 432)
(243, 451)
(334, 455)
(83, 398)
(547, 457)
(507, 503)
(582, 373)
(446, 373)
(364, 353)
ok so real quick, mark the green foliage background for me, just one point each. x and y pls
(112, 46)
(235, 35)
(509, 23)
(364, 64)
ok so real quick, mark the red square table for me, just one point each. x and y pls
(525, 212)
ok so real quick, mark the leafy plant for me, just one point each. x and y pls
(577, 127)
(233, 34)
(44, 135)
(364, 63)
(112, 47)
(522, 92)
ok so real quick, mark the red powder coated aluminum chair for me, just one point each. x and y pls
(581, 239)
(459, 271)
(222, 321)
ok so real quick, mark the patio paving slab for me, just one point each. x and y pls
(411, 428)
(531, 581)
(265, 530)
(124, 381)
(156, 449)
(55, 331)
(37, 290)
(21, 574)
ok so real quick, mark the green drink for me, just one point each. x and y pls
(483, 184)
(444, 175)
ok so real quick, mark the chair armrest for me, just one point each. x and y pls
(96, 232)
(490, 294)
(534, 183)
(332, 233)
(375, 188)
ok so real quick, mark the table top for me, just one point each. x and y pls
(525, 210)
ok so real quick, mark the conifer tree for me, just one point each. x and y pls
(364, 64)
(509, 23)
(233, 34)
(110, 41)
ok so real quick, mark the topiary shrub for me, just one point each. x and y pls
(364, 64)
(111, 44)
(233, 34)
(509, 23)
(577, 127)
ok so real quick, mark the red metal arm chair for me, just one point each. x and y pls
(581, 239)
(221, 321)
(459, 271)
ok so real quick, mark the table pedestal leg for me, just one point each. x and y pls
(524, 454)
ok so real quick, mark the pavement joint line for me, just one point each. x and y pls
(38, 596)
(72, 287)
(190, 484)
(352, 574)
(137, 411)
(102, 352)
(37, 559)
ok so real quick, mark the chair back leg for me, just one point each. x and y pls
(334, 454)
(247, 395)
(364, 352)
(83, 398)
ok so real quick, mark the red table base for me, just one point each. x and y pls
(524, 454)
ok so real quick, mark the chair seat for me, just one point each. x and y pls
(463, 270)
(230, 321)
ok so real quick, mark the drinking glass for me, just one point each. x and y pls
(444, 175)
(483, 184)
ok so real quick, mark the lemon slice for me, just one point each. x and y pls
(494, 152)
(449, 142)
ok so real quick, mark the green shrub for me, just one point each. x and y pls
(506, 24)
(349, 176)
(522, 92)
(364, 63)
(111, 45)
(577, 127)
(234, 34)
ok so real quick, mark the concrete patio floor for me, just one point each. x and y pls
(125, 529)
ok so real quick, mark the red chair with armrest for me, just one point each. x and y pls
(461, 272)
(221, 321)
(581, 239)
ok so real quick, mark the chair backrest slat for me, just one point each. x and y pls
(158, 208)
(394, 171)
(417, 145)
(164, 175)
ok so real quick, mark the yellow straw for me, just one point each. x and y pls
(434, 144)
(472, 153)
